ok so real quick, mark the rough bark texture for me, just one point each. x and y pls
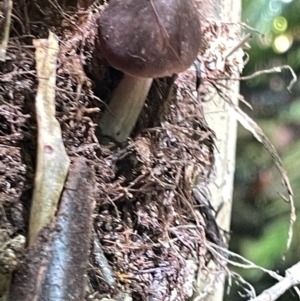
(152, 220)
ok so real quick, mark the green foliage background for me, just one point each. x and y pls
(260, 217)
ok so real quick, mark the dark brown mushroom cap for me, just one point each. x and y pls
(150, 38)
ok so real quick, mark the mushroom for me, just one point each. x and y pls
(144, 39)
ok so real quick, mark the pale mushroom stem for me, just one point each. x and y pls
(125, 107)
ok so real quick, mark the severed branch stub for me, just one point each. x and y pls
(144, 39)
